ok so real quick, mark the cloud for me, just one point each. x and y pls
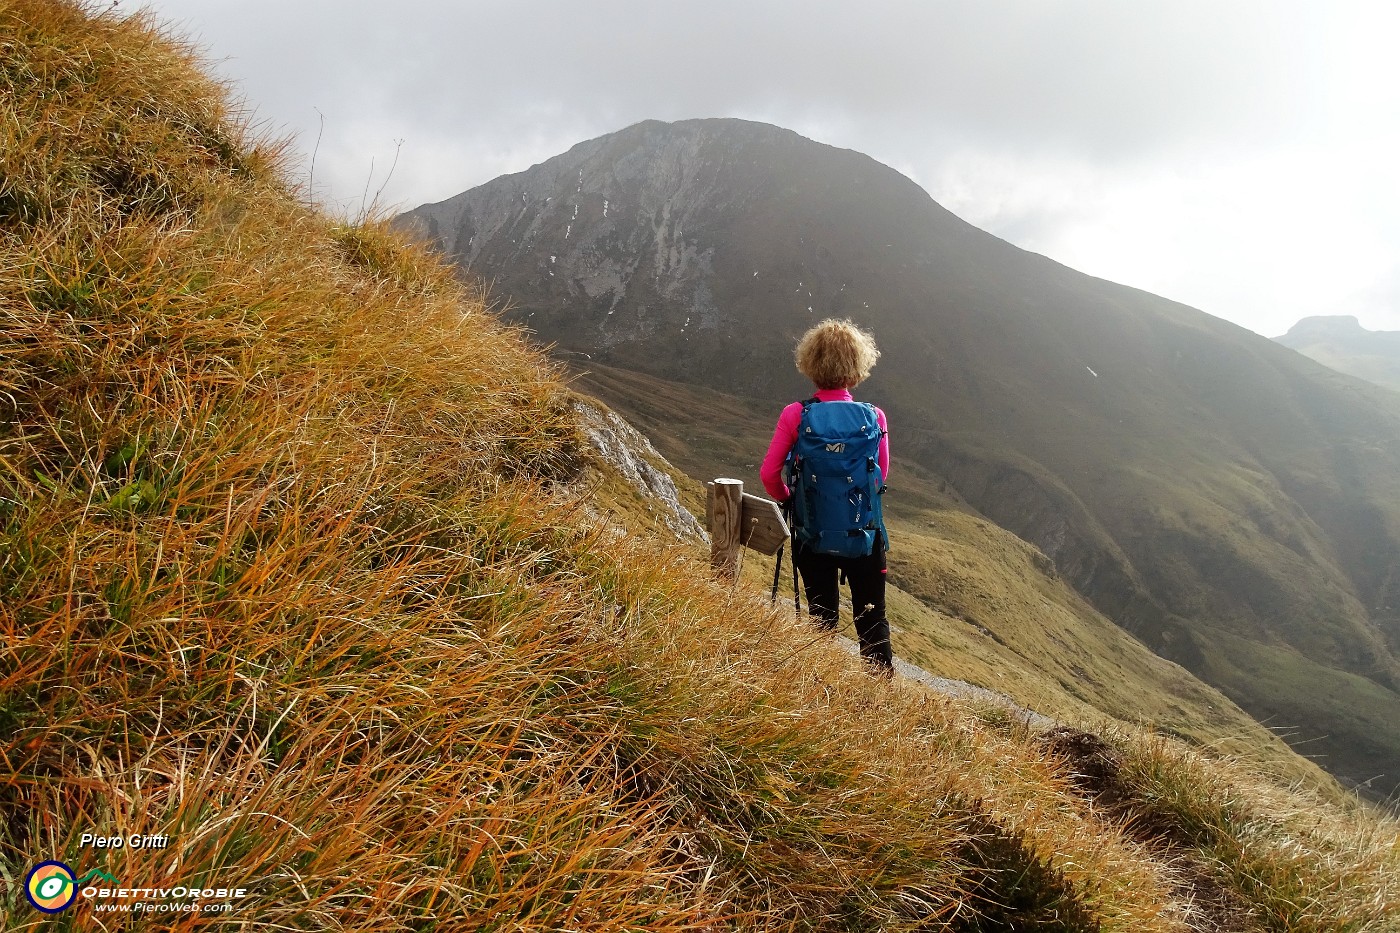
(1231, 155)
(1099, 78)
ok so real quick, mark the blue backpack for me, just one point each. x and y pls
(834, 475)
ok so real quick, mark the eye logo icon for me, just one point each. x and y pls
(51, 887)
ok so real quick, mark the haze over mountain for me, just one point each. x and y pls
(1228, 502)
(1339, 341)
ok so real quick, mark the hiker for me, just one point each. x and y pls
(837, 356)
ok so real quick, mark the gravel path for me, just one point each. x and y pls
(959, 688)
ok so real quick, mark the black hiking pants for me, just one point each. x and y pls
(866, 575)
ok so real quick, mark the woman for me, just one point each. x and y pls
(837, 356)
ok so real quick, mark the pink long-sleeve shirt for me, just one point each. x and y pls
(785, 435)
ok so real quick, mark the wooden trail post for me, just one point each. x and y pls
(737, 519)
(723, 513)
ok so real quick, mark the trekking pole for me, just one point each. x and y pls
(777, 572)
(796, 602)
(789, 514)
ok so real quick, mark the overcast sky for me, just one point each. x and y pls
(1236, 155)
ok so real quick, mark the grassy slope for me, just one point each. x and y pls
(1183, 474)
(291, 571)
(1382, 370)
(971, 601)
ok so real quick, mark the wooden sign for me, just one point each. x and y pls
(761, 525)
(736, 518)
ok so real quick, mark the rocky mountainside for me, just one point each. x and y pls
(1339, 341)
(1233, 505)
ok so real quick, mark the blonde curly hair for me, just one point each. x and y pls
(836, 354)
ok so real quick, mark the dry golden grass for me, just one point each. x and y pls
(291, 571)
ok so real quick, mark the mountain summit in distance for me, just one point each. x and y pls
(1233, 505)
(1339, 341)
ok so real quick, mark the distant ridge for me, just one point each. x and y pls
(1339, 341)
(1233, 505)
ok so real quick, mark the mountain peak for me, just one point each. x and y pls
(1326, 324)
(1340, 342)
(1128, 437)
